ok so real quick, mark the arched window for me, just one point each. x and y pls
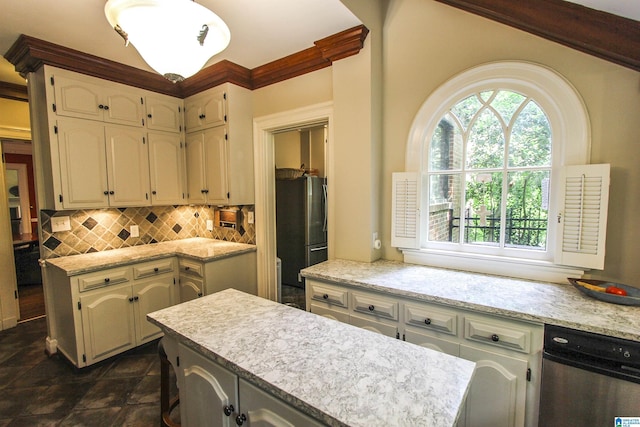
(487, 151)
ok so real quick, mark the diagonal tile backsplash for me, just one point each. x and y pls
(94, 230)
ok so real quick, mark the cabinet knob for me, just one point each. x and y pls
(136, 298)
(149, 115)
(106, 107)
(199, 294)
(371, 307)
(156, 269)
(228, 409)
(111, 192)
(101, 107)
(130, 299)
(154, 192)
(202, 116)
(106, 193)
(427, 321)
(325, 296)
(495, 338)
(240, 419)
(106, 280)
(187, 268)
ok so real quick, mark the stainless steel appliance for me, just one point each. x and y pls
(588, 379)
(301, 224)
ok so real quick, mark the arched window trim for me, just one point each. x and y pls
(571, 137)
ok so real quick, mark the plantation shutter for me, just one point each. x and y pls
(583, 216)
(405, 212)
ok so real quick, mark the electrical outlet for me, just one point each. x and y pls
(60, 223)
(209, 225)
(134, 231)
(250, 217)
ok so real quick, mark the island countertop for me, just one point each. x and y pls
(539, 302)
(197, 248)
(337, 373)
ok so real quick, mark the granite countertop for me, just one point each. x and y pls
(360, 378)
(197, 248)
(539, 302)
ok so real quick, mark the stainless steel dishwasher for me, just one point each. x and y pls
(588, 379)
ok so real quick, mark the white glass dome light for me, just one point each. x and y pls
(175, 37)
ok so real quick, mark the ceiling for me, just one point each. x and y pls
(261, 30)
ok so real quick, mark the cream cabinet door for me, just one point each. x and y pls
(190, 288)
(108, 322)
(215, 148)
(83, 165)
(166, 167)
(151, 295)
(196, 185)
(205, 110)
(260, 409)
(498, 390)
(208, 390)
(164, 113)
(77, 97)
(123, 106)
(127, 166)
(432, 342)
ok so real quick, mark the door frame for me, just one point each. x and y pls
(264, 128)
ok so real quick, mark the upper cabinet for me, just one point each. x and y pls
(103, 144)
(220, 146)
(80, 96)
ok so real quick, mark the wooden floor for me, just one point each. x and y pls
(30, 301)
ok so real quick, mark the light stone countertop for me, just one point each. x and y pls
(197, 248)
(337, 373)
(539, 302)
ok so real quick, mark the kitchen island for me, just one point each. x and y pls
(334, 373)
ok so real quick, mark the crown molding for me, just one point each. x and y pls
(28, 54)
(604, 35)
(13, 91)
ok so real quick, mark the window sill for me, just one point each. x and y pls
(501, 266)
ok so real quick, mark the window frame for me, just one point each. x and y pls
(571, 139)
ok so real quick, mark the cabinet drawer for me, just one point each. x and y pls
(498, 334)
(103, 278)
(430, 318)
(329, 294)
(153, 268)
(375, 305)
(191, 267)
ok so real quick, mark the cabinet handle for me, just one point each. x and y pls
(228, 410)
(495, 338)
(325, 296)
(106, 280)
(240, 419)
(427, 321)
(371, 307)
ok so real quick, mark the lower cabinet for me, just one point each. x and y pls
(212, 396)
(506, 385)
(98, 315)
(204, 278)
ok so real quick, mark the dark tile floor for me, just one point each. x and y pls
(37, 390)
(293, 296)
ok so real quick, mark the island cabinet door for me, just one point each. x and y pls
(107, 322)
(498, 390)
(208, 397)
(260, 409)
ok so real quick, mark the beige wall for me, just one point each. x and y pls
(426, 43)
(14, 119)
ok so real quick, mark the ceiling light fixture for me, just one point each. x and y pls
(175, 37)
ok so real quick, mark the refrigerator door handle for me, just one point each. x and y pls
(318, 249)
(324, 195)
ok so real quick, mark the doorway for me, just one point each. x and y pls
(23, 214)
(265, 130)
(301, 206)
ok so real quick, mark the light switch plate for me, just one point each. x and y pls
(135, 231)
(60, 223)
(250, 217)
(209, 225)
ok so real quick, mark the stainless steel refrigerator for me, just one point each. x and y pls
(301, 224)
